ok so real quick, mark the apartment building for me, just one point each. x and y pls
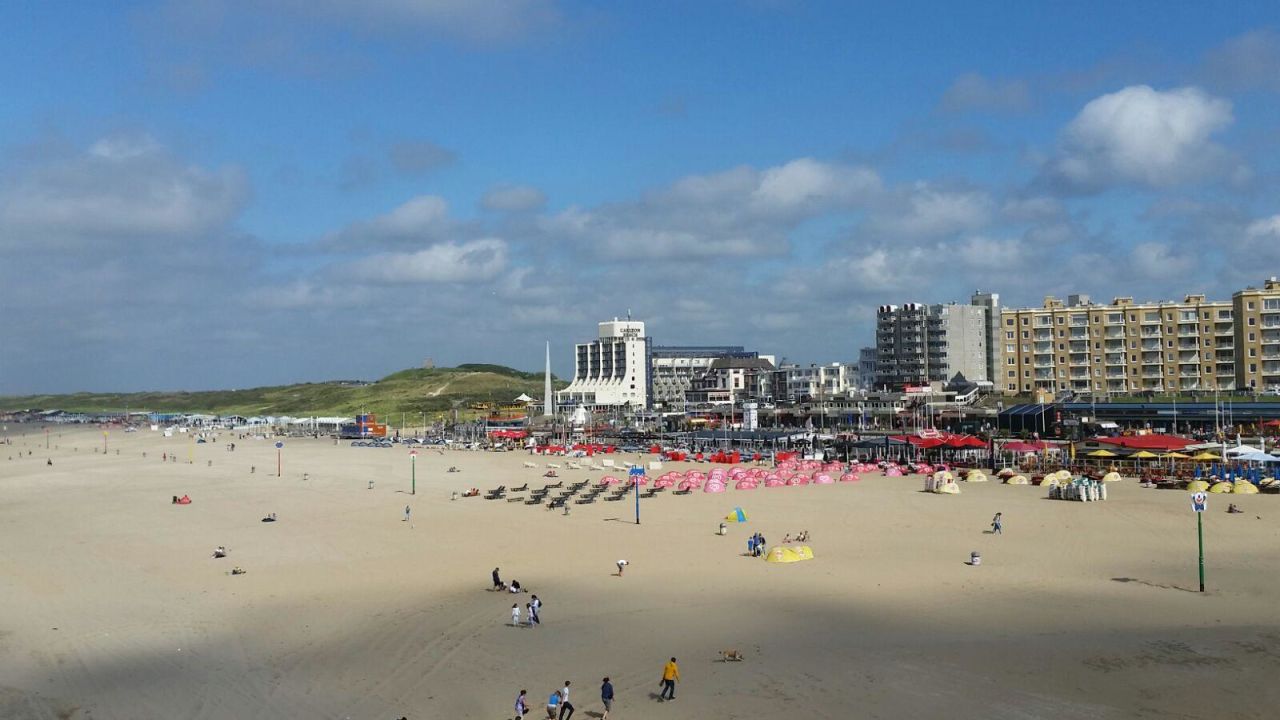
(1125, 347)
(1257, 313)
(675, 368)
(918, 344)
(799, 383)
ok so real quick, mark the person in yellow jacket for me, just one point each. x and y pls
(670, 675)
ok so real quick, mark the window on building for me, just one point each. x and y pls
(1061, 320)
(1026, 348)
(1062, 346)
(1013, 387)
(1013, 373)
(1008, 322)
(1062, 333)
(1009, 348)
(1249, 306)
(1013, 361)
(1169, 357)
(1253, 367)
(1026, 321)
(1208, 356)
(1097, 346)
(1097, 359)
(1133, 358)
(1009, 335)
(1252, 337)
(1253, 321)
(1025, 334)
(1133, 345)
(1253, 352)
(1026, 373)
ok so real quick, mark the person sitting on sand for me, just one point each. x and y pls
(220, 551)
(237, 570)
(1232, 509)
(515, 587)
(269, 518)
(803, 536)
(786, 539)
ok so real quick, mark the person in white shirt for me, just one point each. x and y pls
(622, 564)
(565, 705)
(515, 614)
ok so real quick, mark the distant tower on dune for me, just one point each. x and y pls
(548, 400)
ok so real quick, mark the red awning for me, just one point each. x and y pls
(1165, 443)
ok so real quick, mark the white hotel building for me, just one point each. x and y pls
(611, 370)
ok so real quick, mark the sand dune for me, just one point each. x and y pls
(112, 607)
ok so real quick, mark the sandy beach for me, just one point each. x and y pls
(112, 606)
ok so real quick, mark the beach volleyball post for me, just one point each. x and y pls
(636, 473)
(413, 472)
(1198, 502)
(279, 458)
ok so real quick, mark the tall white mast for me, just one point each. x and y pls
(548, 400)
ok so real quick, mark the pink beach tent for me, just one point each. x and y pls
(849, 477)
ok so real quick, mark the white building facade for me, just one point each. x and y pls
(612, 370)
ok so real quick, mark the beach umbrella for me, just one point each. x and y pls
(1222, 487)
(1144, 454)
(1176, 456)
(1101, 453)
(1244, 487)
(1205, 455)
(1197, 486)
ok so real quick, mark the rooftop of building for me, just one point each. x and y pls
(733, 363)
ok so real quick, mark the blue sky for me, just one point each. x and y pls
(226, 194)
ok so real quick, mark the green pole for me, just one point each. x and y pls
(1200, 537)
(413, 490)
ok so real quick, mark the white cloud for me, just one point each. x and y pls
(120, 188)
(1159, 260)
(448, 262)
(1143, 136)
(923, 211)
(513, 198)
(420, 219)
(740, 212)
(975, 92)
(1260, 245)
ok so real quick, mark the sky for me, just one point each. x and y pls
(227, 194)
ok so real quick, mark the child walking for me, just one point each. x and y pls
(997, 524)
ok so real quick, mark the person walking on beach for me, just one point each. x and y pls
(406, 513)
(621, 564)
(670, 675)
(497, 581)
(521, 707)
(565, 705)
(536, 604)
(606, 697)
(997, 524)
(533, 614)
(515, 614)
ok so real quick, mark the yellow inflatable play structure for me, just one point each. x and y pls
(787, 554)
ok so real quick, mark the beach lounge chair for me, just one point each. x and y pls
(496, 493)
(522, 488)
(683, 492)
